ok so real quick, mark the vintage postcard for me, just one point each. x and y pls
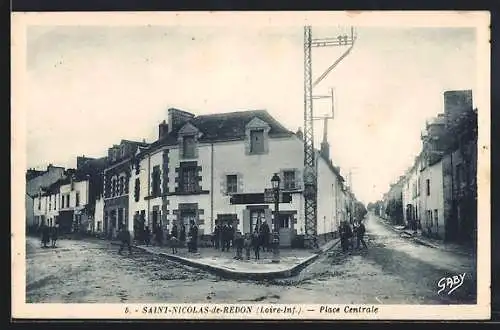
(258, 165)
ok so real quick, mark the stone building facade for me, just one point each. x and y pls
(215, 168)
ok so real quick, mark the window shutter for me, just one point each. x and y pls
(223, 185)
(240, 183)
(298, 179)
(246, 222)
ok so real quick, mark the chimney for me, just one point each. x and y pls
(325, 146)
(162, 130)
(456, 103)
(177, 118)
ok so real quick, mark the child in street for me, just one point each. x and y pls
(248, 245)
(256, 244)
(174, 243)
(238, 242)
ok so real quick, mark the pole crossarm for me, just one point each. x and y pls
(330, 42)
(327, 71)
(317, 97)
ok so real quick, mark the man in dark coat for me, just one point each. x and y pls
(124, 237)
(182, 235)
(217, 236)
(360, 235)
(45, 235)
(174, 231)
(147, 236)
(54, 235)
(344, 236)
(193, 232)
(264, 232)
(225, 237)
(159, 235)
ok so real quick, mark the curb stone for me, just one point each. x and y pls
(234, 274)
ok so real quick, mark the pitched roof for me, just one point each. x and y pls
(225, 127)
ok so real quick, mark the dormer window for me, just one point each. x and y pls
(256, 137)
(257, 141)
(188, 146)
(188, 139)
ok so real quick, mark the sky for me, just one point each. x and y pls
(88, 87)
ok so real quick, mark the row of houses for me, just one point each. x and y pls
(208, 169)
(438, 193)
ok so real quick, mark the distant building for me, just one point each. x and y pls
(439, 191)
(116, 185)
(35, 181)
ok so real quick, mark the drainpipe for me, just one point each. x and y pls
(211, 187)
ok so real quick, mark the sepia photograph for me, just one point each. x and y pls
(251, 165)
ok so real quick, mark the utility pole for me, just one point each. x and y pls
(310, 170)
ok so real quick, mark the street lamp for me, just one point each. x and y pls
(275, 181)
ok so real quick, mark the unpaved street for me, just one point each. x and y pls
(393, 270)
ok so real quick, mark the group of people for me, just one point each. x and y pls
(49, 235)
(351, 238)
(226, 236)
(175, 238)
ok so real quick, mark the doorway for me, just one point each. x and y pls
(286, 229)
(256, 218)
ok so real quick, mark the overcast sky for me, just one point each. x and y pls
(90, 87)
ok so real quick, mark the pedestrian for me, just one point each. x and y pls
(147, 236)
(360, 235)
(159, 235)
(174, 243)
(217, 236)
(247, 245)
(344, 236)
(256, 244)
(350, 236)
(54, 235)
(124, 236)
(264, 232)
(193, 232)
(238, 243)
(226, 237)
(45, 235)
(182, 236)
(189, 242)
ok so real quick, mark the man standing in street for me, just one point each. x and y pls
(124, 236)
(193, 232)
(360, 235)
(264, 232)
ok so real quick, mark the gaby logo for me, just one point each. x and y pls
(451, 283)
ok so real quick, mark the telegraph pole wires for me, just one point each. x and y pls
(310, 170)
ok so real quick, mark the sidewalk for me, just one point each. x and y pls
(292, 261)
(430, 242)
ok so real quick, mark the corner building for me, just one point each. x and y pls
(215, 168)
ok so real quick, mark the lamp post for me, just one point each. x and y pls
(275, 181)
